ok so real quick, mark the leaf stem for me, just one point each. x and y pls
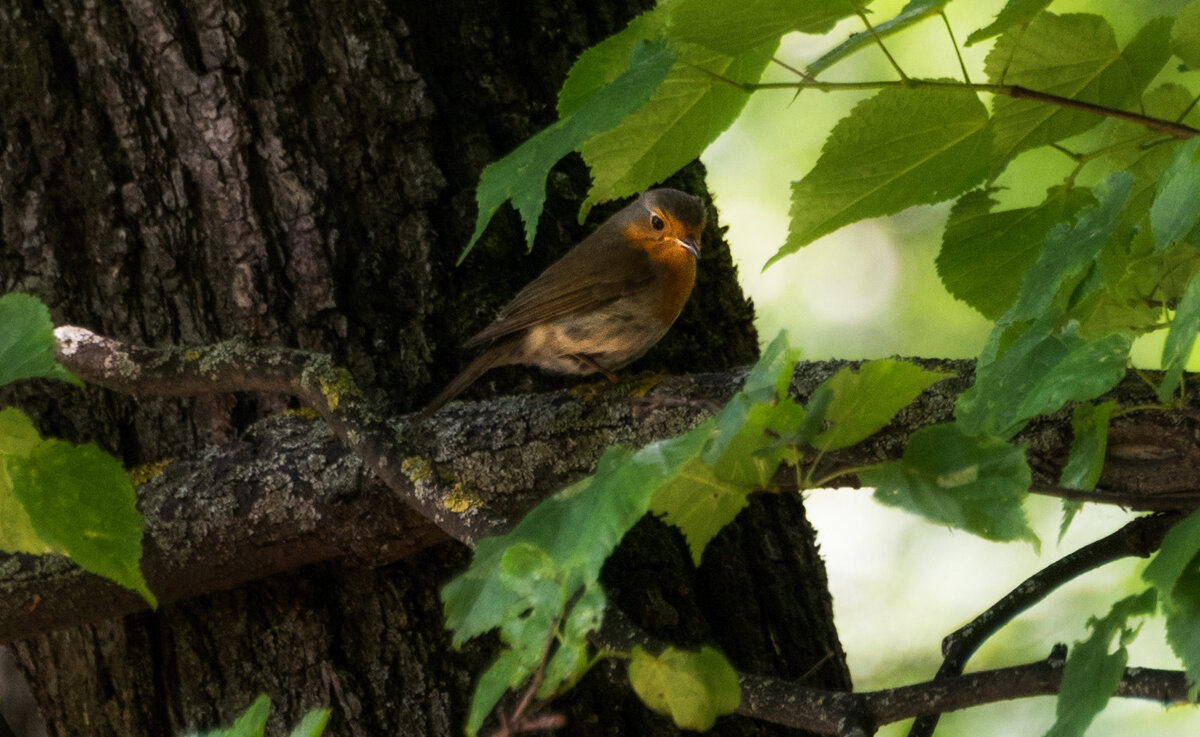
(879, 41)
(954, 42)
(1169, 127)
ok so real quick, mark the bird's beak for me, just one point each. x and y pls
(691, 245)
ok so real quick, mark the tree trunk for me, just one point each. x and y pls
(302, 174)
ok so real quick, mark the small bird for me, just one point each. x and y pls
(605, 302)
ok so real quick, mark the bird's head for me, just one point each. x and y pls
(666, 218)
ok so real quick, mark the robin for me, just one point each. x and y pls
(605, 302)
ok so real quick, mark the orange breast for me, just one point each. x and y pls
(679, 270)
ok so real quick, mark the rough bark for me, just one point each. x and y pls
(301, 174)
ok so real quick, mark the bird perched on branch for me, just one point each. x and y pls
(605, 302)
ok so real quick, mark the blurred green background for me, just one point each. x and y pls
(871, 290)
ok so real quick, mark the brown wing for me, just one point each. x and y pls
(592, 274)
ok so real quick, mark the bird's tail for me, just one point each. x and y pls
(497, 355)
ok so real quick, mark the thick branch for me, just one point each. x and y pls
(480, 465)
(475, 470)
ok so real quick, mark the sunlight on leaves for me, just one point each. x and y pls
(692, 688)
(889, 154)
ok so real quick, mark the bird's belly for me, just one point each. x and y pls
(611, 337)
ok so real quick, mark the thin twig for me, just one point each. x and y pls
(879, 41)
(1169, 127)
(957, 52)
(1140, 537)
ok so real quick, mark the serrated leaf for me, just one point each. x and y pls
(521, 175)
(570, 659)
(27, 342)
(1176, 206)
(673, 127)
(18, 437)
(81, 503)
(888, 154)
(1089, 443)
(1185, 325)
(741, 451)
(1013, 13)
(1185, 35)
(312, 724)
(1179, 548)
(973, 483)
(734, 26)
(1042, 370)
(1183, 625)
(1091, 673)
(911, 14)
(1073, 56)
(599, 65)
(699, 504)
(864, 401)
(1069, 249)
(693, 688)
(506, 672)
(985, 254)
(578, 528)
(1175, 573)
(252, 722)
(1149, 51)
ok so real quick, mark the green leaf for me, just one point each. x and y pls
(1149, 51)
(911, 14)
(692, 688)
(81, 503)
(699, 504)
(888, 154)
(1176, 207)
(1045, 365)
(601, 64)
(1014, 13)
(1175, 573)
(18, 437)
(1185, 35)
(974, 483)
(1042, 370)
(1178, 346)
(1183, 625)
(734, 26)
(743, 455)
(1070, 249)
(741, 451)
(521, 175)
(507, 672)
(673, 127)
(570, 660)
(1089, 442)
(313, 724)
(1074, 56)
(1092, 672)
(252, 723)
(27, 342)
(864, 401)
(985, 254)
(1179, 548)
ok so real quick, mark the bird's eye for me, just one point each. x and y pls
(657, 222)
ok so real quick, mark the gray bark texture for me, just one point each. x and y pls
(301, 174)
